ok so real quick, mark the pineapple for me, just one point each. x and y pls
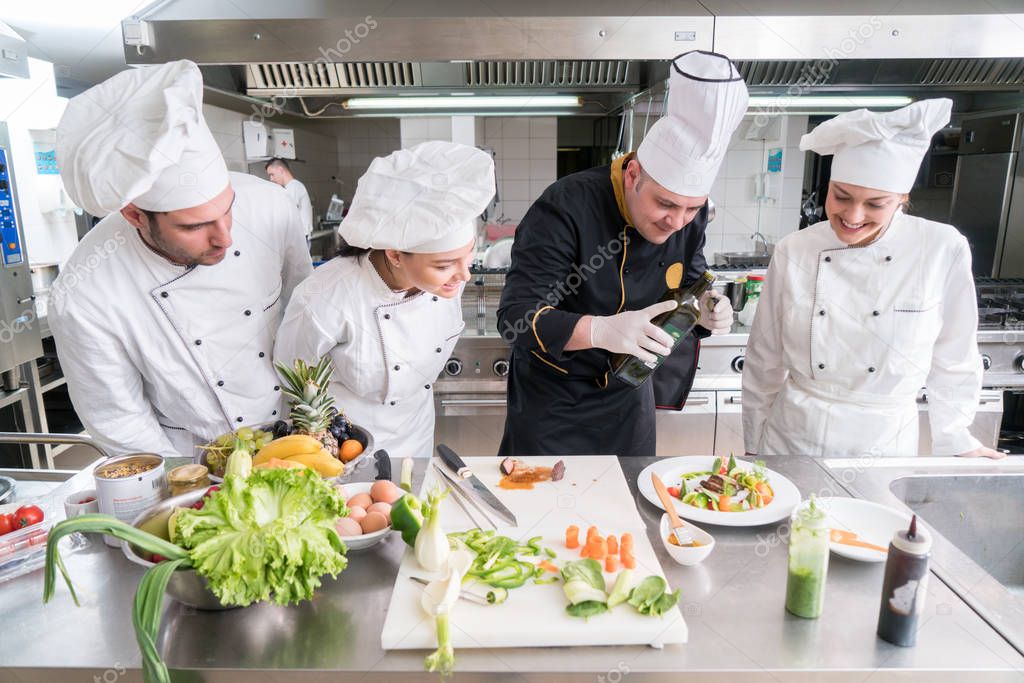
(312, 408)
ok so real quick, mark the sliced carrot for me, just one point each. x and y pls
(628, 561)
(723, 503)
(613, 545)
(626, 543)
(611, 564)
(572, 537)
(591, 533)
(600, 550)
(547, 566)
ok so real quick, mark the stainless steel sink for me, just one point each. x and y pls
(747, 258)
(975, 510)
(981, 515)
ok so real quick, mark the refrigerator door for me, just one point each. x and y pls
(981, 199)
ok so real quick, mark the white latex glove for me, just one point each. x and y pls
(715, 312)
(632, 333)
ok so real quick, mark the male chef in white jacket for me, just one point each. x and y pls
(165, 315)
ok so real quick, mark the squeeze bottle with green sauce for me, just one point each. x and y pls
(905, 585)
(808, 562)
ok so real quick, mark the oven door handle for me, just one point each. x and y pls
(462, 402)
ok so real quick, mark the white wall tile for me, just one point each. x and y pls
(516, 147)
(743, 163)
(543, 148)
(440, 128)
(515, 169)
(543, 169)
(492, 127)
(515, 127)
(516, 190)
(739, 192)
(543, 127)
(537, 187)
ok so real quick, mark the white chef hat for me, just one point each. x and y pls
(706, 101)
(140, 137)
(882, 151)
(423, 200)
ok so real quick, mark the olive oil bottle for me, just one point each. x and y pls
(677, 322)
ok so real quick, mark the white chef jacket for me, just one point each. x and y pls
(845, 337)
(300, 199)
(160, 357)
(388, 349)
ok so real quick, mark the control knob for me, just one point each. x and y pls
(737, 364)
(453, 368)
(1018, 363)
(986, 361)
(500, 367)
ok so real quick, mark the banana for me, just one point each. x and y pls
(287, 446)
(323, 462)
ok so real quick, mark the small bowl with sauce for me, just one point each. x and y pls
(703, 543)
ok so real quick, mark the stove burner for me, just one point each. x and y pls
(1000, 303)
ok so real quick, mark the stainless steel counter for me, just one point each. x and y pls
(733, 604)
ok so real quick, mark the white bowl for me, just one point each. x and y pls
(365, 540)
(687, 556)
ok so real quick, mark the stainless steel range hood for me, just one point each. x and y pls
(605, 51)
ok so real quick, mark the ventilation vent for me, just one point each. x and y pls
(300, 76)
(556, 73)
(781, 73)
(974, 72)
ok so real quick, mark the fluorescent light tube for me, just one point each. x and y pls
(484, 102)
(825, 101)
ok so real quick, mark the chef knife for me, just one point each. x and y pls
(475, 487)
(682, 534)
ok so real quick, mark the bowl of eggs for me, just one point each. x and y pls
(369, 512)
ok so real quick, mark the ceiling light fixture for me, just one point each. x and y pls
(474, 102)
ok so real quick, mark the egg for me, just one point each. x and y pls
(362, 500)
(373, 521)
(347, 526)
(357, 513)
(385, 491)
(382, 508)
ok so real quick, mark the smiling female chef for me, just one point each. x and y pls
(388, 308)
(861, 311)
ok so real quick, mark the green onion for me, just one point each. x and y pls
(146, 610)
(100, 524)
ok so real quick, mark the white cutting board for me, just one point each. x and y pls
(593, 492)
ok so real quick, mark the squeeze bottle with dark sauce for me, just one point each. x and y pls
(905, 585)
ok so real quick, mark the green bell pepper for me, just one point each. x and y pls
(407, 517)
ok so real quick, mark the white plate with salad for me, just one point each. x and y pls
(723, 491)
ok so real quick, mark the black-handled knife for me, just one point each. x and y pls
(383, 461)
(475, 488)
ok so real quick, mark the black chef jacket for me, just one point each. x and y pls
(575, 253)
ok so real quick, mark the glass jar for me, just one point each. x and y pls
(808, 562)
(187, 478)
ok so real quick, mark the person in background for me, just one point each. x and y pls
(164, 316)
(388, 309)
(278, 171)
(862, 310)
(590, 262)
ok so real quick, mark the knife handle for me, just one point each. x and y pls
(383, 461)
(453, 461)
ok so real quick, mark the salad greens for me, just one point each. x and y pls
(584, 588)
(727, 487)
(269, 535)
(651, 597)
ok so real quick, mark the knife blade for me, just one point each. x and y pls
(681, 533)
(475, 488)
(463, 500)
(463, 594)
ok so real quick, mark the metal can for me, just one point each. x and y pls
(128, 484)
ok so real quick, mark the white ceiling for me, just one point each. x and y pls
(81, 39)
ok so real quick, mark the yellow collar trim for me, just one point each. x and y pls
(618, 166)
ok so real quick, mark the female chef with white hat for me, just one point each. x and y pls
(388, 308)
(861, 311)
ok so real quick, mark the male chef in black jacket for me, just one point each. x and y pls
(591, 260)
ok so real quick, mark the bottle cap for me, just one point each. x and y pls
(755, 278)
(916, 540)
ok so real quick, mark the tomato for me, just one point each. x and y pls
(27, 515)
(673, 491)
(6, 524)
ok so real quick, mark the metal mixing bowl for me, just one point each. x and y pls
(185, 585)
